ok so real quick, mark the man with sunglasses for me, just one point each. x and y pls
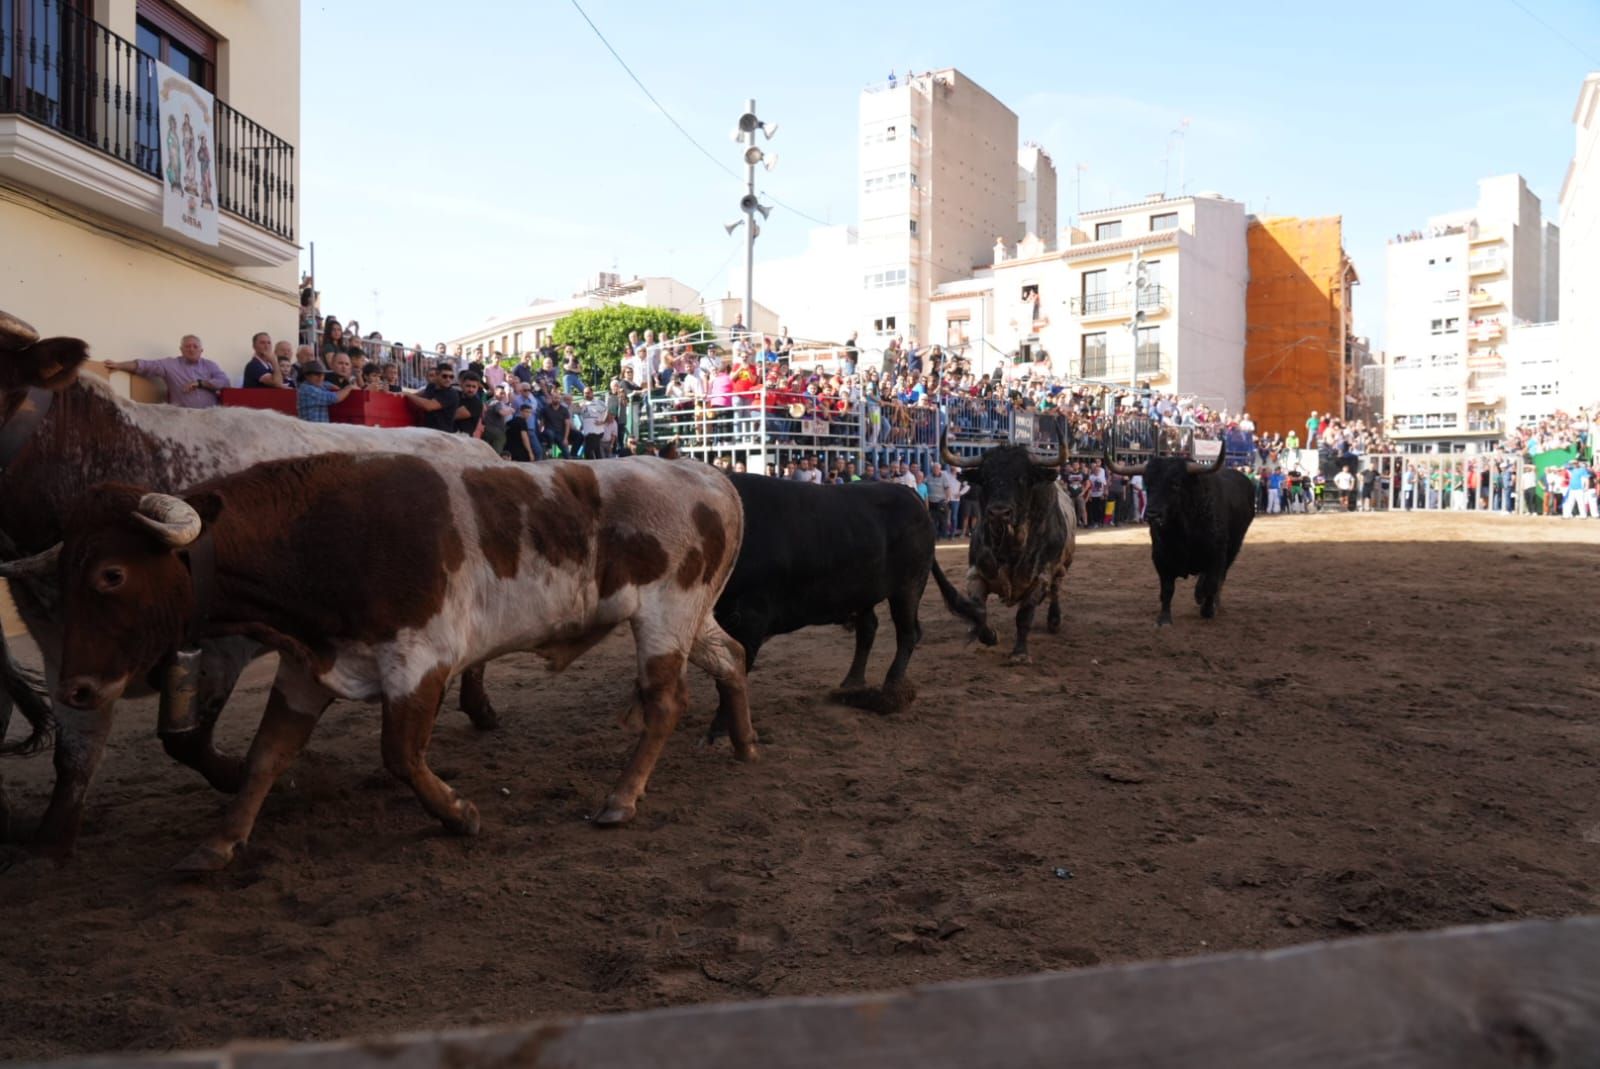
(440, 400)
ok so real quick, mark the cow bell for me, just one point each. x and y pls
(180, 689)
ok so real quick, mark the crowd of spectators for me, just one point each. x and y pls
(746, 387)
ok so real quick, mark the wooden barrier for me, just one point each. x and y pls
(1525, 994)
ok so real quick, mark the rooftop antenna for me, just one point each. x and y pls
(1174, 135)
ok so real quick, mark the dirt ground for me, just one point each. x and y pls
(1393, 725)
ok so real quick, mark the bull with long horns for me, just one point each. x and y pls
(1023, 544)
(1198, 515)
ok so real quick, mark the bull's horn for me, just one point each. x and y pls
(172, 518)
(949, 459)
(1194, 468)
(1060, 459)
(14, 333)
(1128, 470)
(39, 564)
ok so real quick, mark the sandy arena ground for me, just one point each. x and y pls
(1392, 726)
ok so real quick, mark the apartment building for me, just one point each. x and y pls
(82, 183)
(1579, 279)
(938, 185)
(1149, 293)
(1455, 292)
(1036, 193)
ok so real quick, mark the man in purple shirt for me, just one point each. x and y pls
(192, 380)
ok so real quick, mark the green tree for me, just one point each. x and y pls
(600, 335)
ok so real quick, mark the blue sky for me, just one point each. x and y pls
(462, 164)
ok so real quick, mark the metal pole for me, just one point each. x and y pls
(750, 233)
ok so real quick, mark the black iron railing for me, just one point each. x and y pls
(1150, 298)
(63, 70)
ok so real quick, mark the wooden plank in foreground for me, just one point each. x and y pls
(1522, 995)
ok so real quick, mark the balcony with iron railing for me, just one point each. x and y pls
(1491, 263)
(1148, 363)
(1485, 330)
(1116, 305)
(74, 77)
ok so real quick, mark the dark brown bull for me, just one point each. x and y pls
(1023, 544)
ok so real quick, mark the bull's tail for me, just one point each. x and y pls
(954, 600)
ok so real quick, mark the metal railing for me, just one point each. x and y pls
(1150, 298)
(65, 71)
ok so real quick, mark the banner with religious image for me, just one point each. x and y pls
(188, 156)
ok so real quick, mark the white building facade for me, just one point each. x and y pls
(1036, 194)
(1456, 292)
(1580, 253)
(526, 329)
(1150, 293)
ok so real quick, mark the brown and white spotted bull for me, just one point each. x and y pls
(377, 578)
(59, 435)
(1023, 544)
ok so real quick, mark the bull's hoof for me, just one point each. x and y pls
(1164, 620)
(1052, 623)
(987, 636)
(465, 822)
(1208, 610)
(614, 814)
(1020, 657)
(712, 738)
(747, 753)
(483, 715)
(204, 859)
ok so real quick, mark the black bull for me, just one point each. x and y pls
(828, 555)
(1198, 515)
(1024, 541)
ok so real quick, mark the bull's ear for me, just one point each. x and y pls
(208, 503)
(50, 364)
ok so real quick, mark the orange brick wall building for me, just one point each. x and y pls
(1297, 316)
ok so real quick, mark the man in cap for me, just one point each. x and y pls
(313, 397)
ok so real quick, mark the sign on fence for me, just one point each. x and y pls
(1024, 430)
(1207, 448)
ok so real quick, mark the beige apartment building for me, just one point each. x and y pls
(938, 185)
(85, 249)
(1457, 295)
(1151, 293)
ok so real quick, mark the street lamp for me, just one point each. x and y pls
(750, 204)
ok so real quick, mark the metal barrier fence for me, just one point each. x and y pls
(1410, 482)
(766, 428)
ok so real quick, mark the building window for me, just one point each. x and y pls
(1030, 294)
(884, 279)
(1164, 221)
(1147, 355)
(913, 180)
(176, 40)
(1095, 297)
(1093, 362)
(1113, 229)
(914, 135)
(1450, 325)
(884, 325)
(516, 344)
(913, 226)
(955, 331)
(1150, 292)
